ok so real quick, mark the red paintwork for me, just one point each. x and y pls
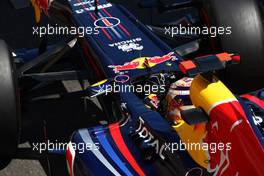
(228, 123)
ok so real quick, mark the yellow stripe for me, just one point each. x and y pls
(37, 10)
(207, 95)
(99, 83)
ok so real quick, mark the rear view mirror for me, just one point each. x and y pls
(194, 116)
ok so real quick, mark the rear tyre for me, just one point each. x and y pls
(4, 163)
(9, 107)
(247, 40)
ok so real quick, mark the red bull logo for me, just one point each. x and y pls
(126, 66)
(245, 156)
(158, 60)
(235, 149)
(143, 62)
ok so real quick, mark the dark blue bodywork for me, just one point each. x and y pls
(116, 148)
(108, 159)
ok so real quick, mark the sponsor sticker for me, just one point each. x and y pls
(140, 63)
(128, 45)
(107, 22)
(91, 8)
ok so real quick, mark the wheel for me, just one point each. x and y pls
(4, 163)
(247, 40)
(9, 107)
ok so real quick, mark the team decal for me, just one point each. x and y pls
(257, 115)
(87, 139)
(220, 160)
(227, 131)
(92, 8)
(257, 120)
(107, 22)
(82, 3)
(110, 26)
(149, 138)
(228, 123)
(128, 45)
(121, 145)
(110, 151)
(143, 62)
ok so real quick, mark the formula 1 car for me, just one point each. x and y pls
(164, 114)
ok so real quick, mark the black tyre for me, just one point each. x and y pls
(4, 163)
(9, 107)
(247, 40)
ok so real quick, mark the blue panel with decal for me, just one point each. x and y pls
(121, 37)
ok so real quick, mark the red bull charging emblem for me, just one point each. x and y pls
(143, 62)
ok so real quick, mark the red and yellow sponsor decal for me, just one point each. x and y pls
(143, 62)
(228, 124)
